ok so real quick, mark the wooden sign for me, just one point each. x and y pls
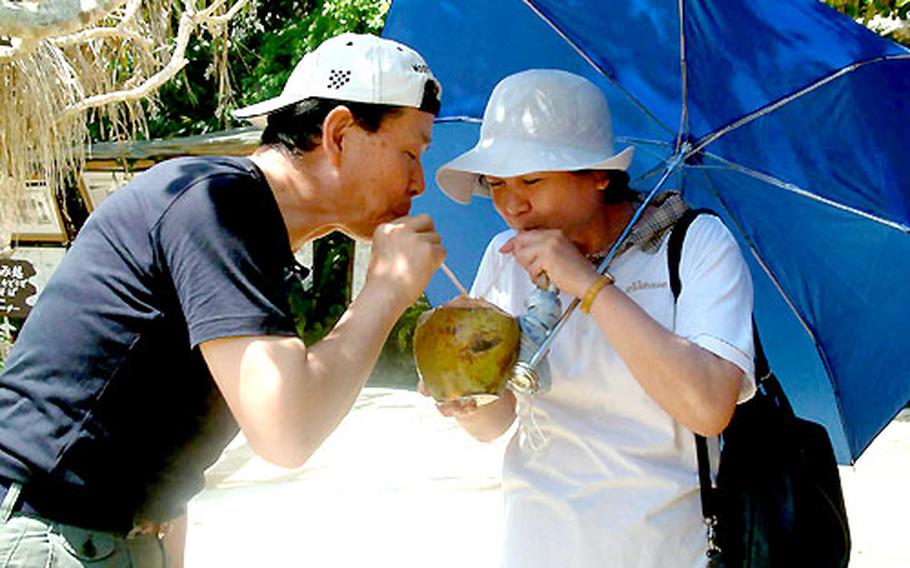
(16, 287)
(39, 217)
(24, 276)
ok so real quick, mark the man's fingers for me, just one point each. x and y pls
(431, 238)
(418, 223)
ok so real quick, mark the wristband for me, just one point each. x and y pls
(595, 289)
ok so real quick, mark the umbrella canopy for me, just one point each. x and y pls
(788, 119)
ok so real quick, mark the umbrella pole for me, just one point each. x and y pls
(524, 374)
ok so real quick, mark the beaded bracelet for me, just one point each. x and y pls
(595, 289)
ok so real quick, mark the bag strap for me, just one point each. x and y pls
(674, 246)
(764, 379)
(674, 255)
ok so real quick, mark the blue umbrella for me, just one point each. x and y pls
(788, 119)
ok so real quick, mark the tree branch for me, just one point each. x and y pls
(229, 15)
(176, 63)
(189, 21)
(51, 18)
(101, 33)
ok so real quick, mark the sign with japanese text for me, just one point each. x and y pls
(15, 287)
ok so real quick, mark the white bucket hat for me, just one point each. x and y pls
(351, 67)
(541, 120)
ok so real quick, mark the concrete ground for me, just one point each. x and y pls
(398, 485)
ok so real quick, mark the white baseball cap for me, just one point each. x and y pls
(351, 67)
(541, 120)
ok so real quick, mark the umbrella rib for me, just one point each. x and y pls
(596, 67)
(754, 250)
(635, 140)
(683, 69)
(460, 118)
(728, 165)
(786, 100)
(783, 294)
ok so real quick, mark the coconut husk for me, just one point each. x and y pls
(466, 349)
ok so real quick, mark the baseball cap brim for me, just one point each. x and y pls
(460, 178)
(257, 114)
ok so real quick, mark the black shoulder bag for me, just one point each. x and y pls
(777, 501)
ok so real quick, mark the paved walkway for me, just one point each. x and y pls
(397, 485)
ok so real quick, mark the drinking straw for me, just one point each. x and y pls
(454, 279)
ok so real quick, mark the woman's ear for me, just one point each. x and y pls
(602, 179)
(335, 128)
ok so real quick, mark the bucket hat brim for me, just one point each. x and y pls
(461, 178)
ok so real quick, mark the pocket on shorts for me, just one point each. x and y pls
(87, 545)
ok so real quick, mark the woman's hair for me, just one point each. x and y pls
(298, 127)
(619, 190)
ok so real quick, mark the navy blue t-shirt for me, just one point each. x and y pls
(108, 412)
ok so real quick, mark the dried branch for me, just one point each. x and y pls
(102, 33)
(55, 65)
(188, 24)
(51, 18)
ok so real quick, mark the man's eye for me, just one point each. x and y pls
(531, 181)
(411, 155)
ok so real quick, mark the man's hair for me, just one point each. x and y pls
(298, 127)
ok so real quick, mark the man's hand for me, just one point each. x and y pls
(405, 254)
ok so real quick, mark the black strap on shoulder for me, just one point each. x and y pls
(674, 255)
(762, 369)
(674, 247)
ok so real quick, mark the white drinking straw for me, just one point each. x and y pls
(454, 279)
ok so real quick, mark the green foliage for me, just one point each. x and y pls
(318, 306)
(266, 42)
(284, 40)
(866, 10)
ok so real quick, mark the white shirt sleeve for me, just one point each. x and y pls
(714, 309)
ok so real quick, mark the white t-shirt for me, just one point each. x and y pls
(597, 474)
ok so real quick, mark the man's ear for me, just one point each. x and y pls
(335, 128)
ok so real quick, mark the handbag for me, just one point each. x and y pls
(777, 500)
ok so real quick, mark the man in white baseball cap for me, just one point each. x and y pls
(167, 325)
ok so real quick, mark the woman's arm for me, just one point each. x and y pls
(696, 387)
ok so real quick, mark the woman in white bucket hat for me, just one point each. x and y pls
(601, 470)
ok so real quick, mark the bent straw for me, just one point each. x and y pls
(454, 279)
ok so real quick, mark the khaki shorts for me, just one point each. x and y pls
(28, 541)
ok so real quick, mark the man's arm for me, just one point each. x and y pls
(288, 398)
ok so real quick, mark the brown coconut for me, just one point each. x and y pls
(466, 349)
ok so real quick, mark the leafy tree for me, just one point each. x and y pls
(890, 18)
(265, 44)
